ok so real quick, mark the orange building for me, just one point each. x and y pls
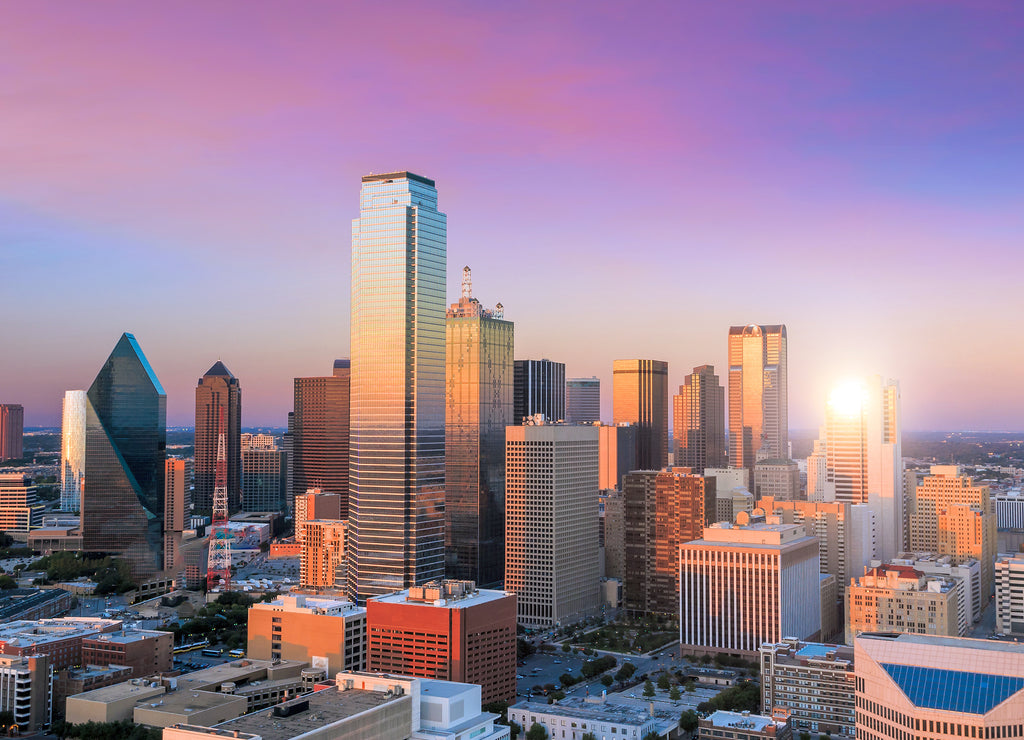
(315, 504)
(303, 628)
(447, 630)
(144, 651)
(322, 562)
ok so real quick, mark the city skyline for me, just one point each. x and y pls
(841, 153)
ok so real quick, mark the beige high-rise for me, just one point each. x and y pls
(551, 537)
(758, 394)
(952, 516)
(640, 397)
(698, 425)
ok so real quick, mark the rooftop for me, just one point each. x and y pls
(446, 594)
(325, 707)
(23, 633)
(403, 175)
(582, 709)
(742, 721)
(964, 643)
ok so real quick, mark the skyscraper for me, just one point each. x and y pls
(478, 407)
(396, 509)
(320, 434)
(263, 473)
(12, 431)
(699, 421)
(551, 527)
(758, 395)
(126, 437)
(863, 456)
(72, 450)
(539, 389)
(218, 401)
(640, 396)
(177, 472)
(582, 400)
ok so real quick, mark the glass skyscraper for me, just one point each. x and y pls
(640, 396)
(72, 450)
(126, 436)
(397, 433)
(478, 408)
(758, 395)
(539, 388)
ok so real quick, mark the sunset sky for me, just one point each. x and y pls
(628, 179)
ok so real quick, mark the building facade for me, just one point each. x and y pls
(779, 479)
(952, 516)
(582, 400)
(320, 434)
(323, 563)
(448, 630)
(661, 511)
(640, 397)
(19, 509)
(574, 718)
(898, 598)
(306, 628)
(538, 388)
(218, 411)
(12, 431)
(741, 586)
(1009, 583)
(396, 484)
(617, 454)
(758, 394)
(478, 407)
(72, 450)
(177, 490)
(26, 691)
(939, 688)
(551, 538)
(126, 439)
(698, 422)
(263, 474)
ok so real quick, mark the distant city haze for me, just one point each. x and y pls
(629, 181)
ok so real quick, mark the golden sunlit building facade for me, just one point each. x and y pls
(952, 516)
(322, 564)
(758, 394)
(640, 397)
(899, 598)
(698, 421)
(478, 407)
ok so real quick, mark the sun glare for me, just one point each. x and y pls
(848, 398)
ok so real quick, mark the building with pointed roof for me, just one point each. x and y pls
(126, 437)
(218, 401)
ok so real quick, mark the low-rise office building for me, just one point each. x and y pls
(573, 718)
(722, 725)
(322, 631)
(897, 598)
(364, 706)
(26, 690)
(1009, 578)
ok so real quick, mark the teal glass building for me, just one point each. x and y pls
(397, 421)
(126, 436)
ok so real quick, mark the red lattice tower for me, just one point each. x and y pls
(218, 569)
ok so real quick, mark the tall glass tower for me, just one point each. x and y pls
(758, 395)
(126, 436)
(479, 407)
(72, 450)
(397, 432)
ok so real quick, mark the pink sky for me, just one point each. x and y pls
(627, 179)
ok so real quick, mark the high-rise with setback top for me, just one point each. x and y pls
(640, 397)
(396, 468)
(699, 421)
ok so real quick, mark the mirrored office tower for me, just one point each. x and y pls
(126, 435)
(72, 450)
(396, 452)
(478, 407)
(758, 395)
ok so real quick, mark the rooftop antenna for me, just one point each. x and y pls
(467, 283)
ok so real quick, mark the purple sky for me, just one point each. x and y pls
(628, 179)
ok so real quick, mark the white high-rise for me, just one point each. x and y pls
(863, 457)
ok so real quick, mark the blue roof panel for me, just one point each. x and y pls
(953, 691)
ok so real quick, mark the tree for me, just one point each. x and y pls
(652, 735)
(648, 688)
(566, 648)
(588, 736)
(689, 721)
(805, 735)
(663, 682)
(7, 582)
(607, 680)
(536, 732)
(6, 718)
(674, 694)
